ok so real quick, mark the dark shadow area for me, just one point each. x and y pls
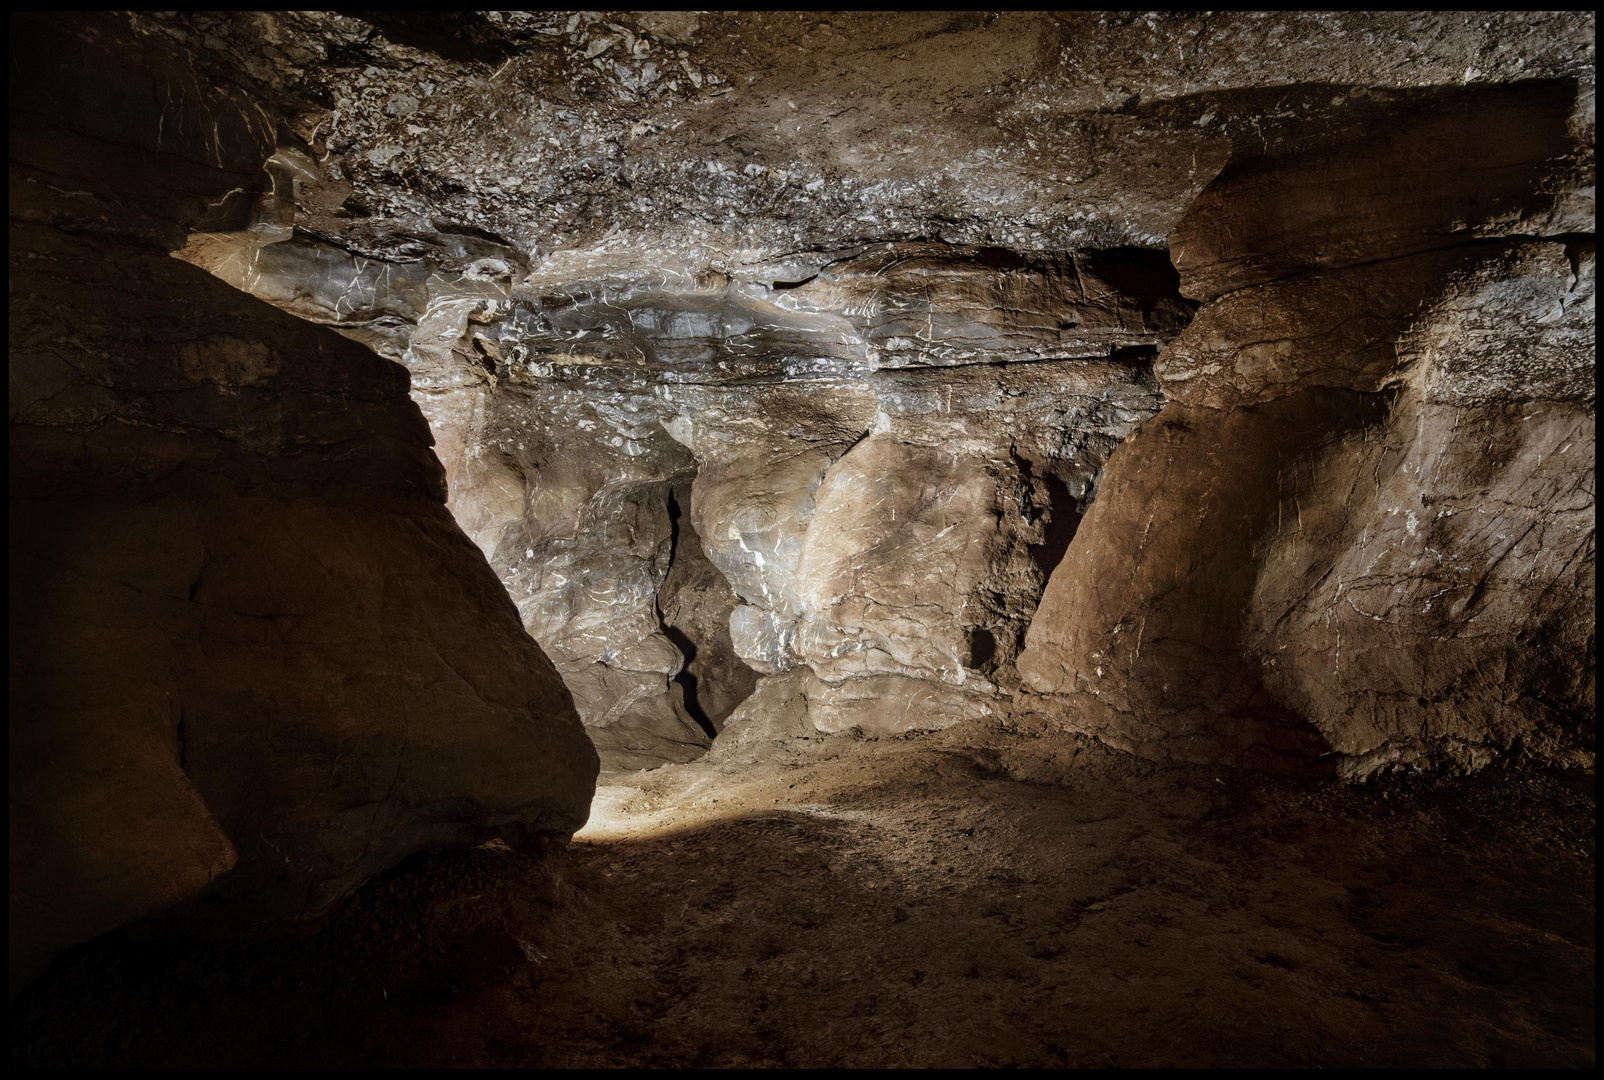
(1409, 182)
(982, 647)
(1140, 357)
(997, 258)
(694, 603)
(686, 678)
(1060, 521)
(464, 36)
(1398, 925)
(1145, 276)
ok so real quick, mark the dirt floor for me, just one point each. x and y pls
(1027, 901)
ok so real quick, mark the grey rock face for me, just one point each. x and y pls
(696, 602)
(894, 533)
(792, 373)
(1429, 178)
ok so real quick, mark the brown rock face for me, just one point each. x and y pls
(874, 499)
(1428, 179)
(252, 653)
(788, 373)
(1355, 530)
(894, 320)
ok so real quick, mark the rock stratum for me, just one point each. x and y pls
(1220, 385)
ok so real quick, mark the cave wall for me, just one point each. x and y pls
(877, 490)
(253, 657)
(886, 350)
(1217, 384)
(1356, 531)
(900, 328)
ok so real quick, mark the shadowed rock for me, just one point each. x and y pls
(252, 654)
(1356, 525)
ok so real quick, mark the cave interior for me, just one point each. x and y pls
(789, 539)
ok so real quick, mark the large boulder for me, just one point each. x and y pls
(252, 654)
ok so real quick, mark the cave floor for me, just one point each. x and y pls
(959, 898)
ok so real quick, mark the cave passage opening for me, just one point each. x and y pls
(693, 604)
(894, 751)
(688, 677)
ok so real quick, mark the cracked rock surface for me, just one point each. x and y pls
(1356, 529)
(628, 255)
(1220, 385)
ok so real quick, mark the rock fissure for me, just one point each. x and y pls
(416, 416)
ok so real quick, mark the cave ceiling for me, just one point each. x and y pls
(547, 140)
(414, 413)
(890, 288)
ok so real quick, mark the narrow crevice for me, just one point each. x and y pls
(1061, 519)
(693, 604)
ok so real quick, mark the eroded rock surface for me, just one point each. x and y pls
(252, 654)
(1356, 529)
(528, 136)
(885, 294)
(797, 345)
(876, 501)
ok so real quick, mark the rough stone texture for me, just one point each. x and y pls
(1442, 611)
(727, 136)
(560, 405)
(674, 218)
(885, 291)
(252, 654)
(1356, 530)
(800, 705)
(583, 548)
(1429, 178)
(891, 528)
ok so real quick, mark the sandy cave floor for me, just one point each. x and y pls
(962, 898)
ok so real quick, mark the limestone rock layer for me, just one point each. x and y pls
(1356, 529)
(1220, 384)
(865, 312)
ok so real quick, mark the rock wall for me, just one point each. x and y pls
(877, 492)
(252, 655)
(809, 346)
(1356, 530)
